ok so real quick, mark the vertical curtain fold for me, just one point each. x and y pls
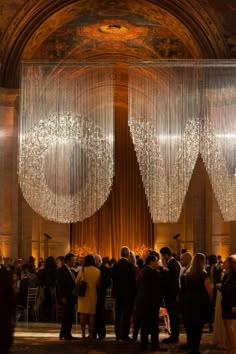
(124, 219)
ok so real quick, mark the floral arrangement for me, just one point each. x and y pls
(81, 251)
(141, 251)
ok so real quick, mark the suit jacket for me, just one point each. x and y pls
(105, 280)
(149, 290)
(228, 290)
(172, 279)
(123, 280)
(214, 273)
(65, 284)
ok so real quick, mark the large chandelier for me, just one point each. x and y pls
(218, 147)
(178, 109)
(66, 162)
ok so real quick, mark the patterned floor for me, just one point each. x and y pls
(37, 338)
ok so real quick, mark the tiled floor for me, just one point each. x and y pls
(37, 338)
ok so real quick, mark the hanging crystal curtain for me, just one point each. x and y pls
(218, 148)
(164, 120)
(178, 109)
(65, 158)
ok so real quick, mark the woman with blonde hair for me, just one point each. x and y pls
(228, 302)
(132, 259)
(197, 297)
(87, 304)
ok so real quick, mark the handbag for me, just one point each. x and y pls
(80, 287)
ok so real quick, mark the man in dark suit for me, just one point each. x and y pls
(148, 302)
(65, 284)
(123, 291)
(171, 293)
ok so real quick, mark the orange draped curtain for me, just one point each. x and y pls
(124, 219)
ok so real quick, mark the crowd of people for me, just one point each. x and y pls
(187, 288)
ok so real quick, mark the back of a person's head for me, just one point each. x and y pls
(89, 260)
(140, 263)
(154, 253)
(197, 265)
(165, 250)
(186, 258)
(50, 262)
(68, 257)
(125, 252)
(106, 262)
(232, 262)
(212, 259)
(150, 258)
(31, 259)
(97, 260)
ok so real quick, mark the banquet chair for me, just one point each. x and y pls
(31, 304)
(109, 303)
(56, 308)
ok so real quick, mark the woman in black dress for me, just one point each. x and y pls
(197, 298)
(229, 302)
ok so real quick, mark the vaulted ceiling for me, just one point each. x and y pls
(114, 29)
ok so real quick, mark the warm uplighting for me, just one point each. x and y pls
(81, 251)
(113, 29)
(141, 251)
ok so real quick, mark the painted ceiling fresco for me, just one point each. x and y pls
(148, 33)
(226, 11)
(8, 10)
(138, 37)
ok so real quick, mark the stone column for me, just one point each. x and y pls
(8, 173)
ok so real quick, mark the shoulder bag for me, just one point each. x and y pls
(80, 287)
